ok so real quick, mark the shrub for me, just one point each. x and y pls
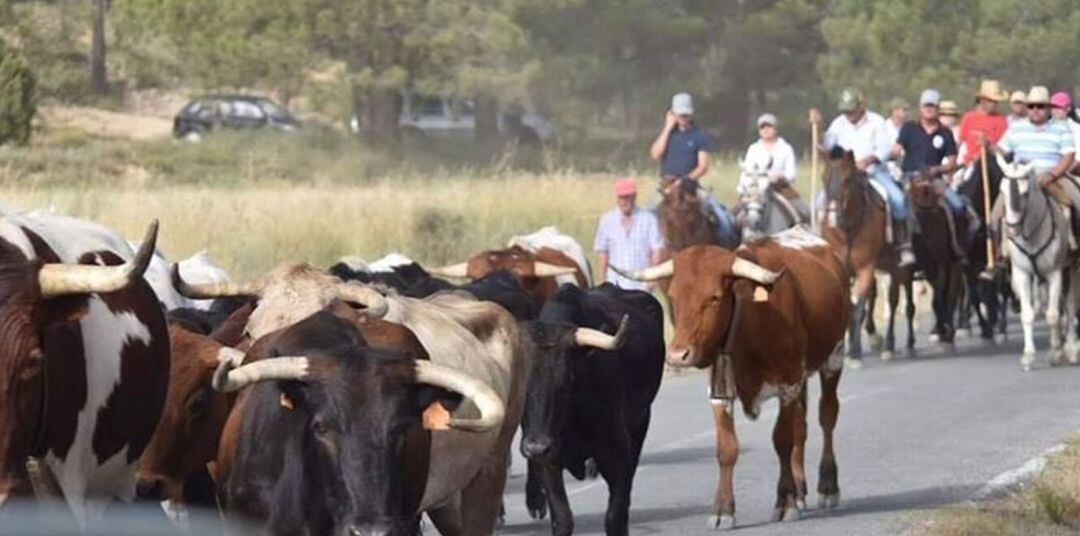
(18, 97)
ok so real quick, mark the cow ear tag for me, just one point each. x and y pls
(761, 294)
(287, 402)
(436, 417)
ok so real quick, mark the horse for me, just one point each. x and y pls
(683, 220)
(855, 225)
(766, 207)
(987, 291)
(1037, 238)
(935, 253)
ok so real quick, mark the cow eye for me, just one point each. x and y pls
(319, 427)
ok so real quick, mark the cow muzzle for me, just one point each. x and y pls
(678, 356)
(377, 529)
(536, 448)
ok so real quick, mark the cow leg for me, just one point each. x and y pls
(828, 411)
(535, 498)
(613, 460)
(481, 499)
(447, 519)
(1021, 283)
(562, 519)
(798, 451)
(727, 453)
(787, 508)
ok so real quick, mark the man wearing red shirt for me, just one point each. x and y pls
(983, 122)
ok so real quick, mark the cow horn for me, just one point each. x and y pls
(744, 268)
(598, 339)
(492, 409)
(454, 270)
(375, 304)
(652, 273)
(232, 355)
(208, 291)
(56, 279)
(543, 269)
(228, 377)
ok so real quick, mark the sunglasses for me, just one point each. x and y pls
(1036, 107)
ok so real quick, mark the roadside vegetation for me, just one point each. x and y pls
(1048, 505)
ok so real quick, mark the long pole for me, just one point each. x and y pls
(813, 174)
(986, 206)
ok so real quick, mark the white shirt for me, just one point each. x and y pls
(869, 137)
(628, 248)
(892, 130)
(780, 157)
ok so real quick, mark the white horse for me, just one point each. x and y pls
(1037, 238)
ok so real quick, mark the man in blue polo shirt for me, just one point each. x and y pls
(683, 152)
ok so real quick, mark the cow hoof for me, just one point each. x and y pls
(933, 337)
(887, 355)
(786, 514)
(800, 504)
(853, 363)
(828, 501)
(874, 341)
(538, 513)
(1026, 360)
(721, 522)
(591, 470)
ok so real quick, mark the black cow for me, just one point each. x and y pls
(394, 271)
(584, 402)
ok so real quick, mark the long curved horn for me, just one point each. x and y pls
(543, 269)
(232, 355)
(492, 409)
(460, 269)
(208, 291)
(56, 279)
(652, 273)
(598, 339)
(744, 268)
(375, 304)
(228, 377)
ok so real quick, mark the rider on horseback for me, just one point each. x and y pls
(683, 152)
(928, 146)
(864, 133)
(769, 167)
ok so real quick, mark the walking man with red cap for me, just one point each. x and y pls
(628, 237)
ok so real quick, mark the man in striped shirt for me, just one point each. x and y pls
(627, 237)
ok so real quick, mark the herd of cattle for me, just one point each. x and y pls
(354, 399)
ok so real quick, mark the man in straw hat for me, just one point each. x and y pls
(1017, 106)
(863, 132)
(1046, 144)
(983, 124)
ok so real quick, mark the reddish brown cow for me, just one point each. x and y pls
(540, 273)
(764, 317)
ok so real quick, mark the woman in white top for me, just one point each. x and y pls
(770, 156)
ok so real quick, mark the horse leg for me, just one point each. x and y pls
(890, 317)
(1054, 282)
(863, 281)
(964, 303)
(1072, 321)
(909, 309)
(873, 337)
(1021, 283)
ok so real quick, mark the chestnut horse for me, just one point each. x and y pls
(682, 218)
(855, 225)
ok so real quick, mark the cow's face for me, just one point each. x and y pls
(186, 438)
(702, 294)
(514, 260)
(548, 397)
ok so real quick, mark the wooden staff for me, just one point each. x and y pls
(813, 174)
(986, 206)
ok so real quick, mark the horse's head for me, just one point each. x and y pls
(681, 216)
(840, 169)
(1016, 188)
(924, 191)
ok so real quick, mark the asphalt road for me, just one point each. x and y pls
(913, 434)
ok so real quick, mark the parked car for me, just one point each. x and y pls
(446, 116)
(210, 112)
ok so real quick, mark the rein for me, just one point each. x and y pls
(1033, 255)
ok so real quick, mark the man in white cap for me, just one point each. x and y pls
(683, 152)
(773, 158)
(863, 132)
(627, 237)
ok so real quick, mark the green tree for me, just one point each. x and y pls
(18, 96)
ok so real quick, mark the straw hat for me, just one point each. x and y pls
(1038, 95)
(991, 89)
(1018, 96)
(948, 107)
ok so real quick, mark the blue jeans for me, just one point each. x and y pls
(955, 202)
(898, 202)
(725, 221)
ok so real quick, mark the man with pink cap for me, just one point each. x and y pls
(627, 237)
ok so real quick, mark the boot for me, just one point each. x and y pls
(902, 239)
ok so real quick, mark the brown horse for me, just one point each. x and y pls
(855, 224)
(682, 218)
(936, 255)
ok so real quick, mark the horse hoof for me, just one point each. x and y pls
(947, 348)
(828, 501)
(721, 522)
(1026, 360)
(912, 353)
(786, 515)
(853, 363)
(887, 355)
(874, 342)
(800, 504)
(963, 333)
(933, 337)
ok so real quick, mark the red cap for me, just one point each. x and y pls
(625, 186)
(1061, 100)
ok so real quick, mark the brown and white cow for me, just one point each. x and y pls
(84, 360)
(540, 261)
(480, 339)
(764, 317)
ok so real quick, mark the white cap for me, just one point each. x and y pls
(682, 104)
(930, 96)
(766, 119)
